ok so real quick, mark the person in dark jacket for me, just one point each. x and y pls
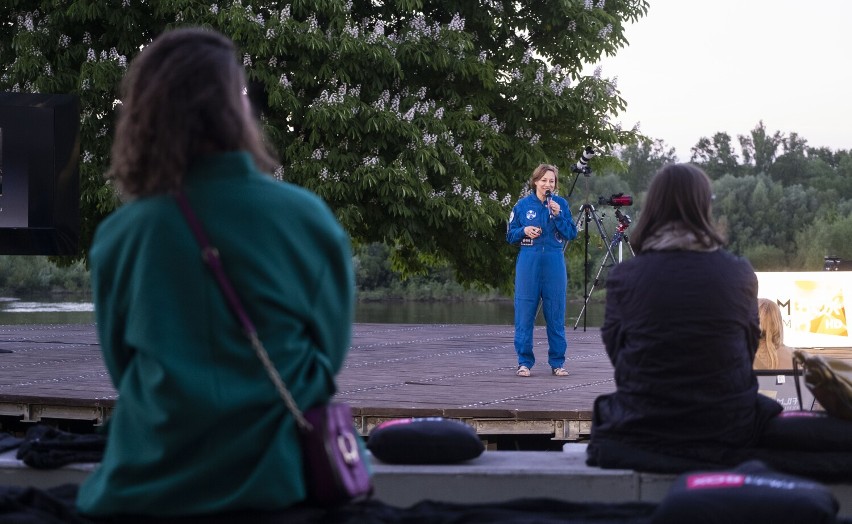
(681, 330)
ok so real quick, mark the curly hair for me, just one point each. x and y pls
(184, 96)
(678, 193)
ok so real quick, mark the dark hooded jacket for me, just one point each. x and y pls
(681, 329)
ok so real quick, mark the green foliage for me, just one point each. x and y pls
(786, 205)
(819, 240)
(766, 258)
(375, 280)
(418, 121)
(760, 148)
(644, 158)
(34, 275)
(716, 155)
(372, 267)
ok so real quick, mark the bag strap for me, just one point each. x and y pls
(211, 258)
(796, 375)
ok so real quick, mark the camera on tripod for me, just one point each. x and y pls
(582, 165)
(616, 200)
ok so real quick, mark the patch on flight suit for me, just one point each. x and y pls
(527, 241)
(530, 214)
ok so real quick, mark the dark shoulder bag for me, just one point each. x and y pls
(335, 471)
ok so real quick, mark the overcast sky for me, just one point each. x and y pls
(694, 68)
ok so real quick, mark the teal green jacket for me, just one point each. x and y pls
(198, 426)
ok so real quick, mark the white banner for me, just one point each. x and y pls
(813, 306)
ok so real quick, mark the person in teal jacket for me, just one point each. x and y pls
(198, 427)
(541, 224)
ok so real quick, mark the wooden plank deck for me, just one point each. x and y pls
(392, 371)
(468, 372)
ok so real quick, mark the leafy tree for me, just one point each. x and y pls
(372, 267)
(37, 275)
(766, 258)
(716, 156)
(756, 210)
(790, 166)
(418, 121)
(643, 159)
(760, 148)
(827, 170)
(821, 239)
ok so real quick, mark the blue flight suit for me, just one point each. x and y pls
(540, 275)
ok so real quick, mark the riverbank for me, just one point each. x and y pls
(78, 309)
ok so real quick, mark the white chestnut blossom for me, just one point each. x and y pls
(457, 23)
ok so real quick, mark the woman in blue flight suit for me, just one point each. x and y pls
(541, 224)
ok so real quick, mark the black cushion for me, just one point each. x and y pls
(424, 441)
(749, 493)
(807, 431)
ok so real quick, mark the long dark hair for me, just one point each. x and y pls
(678, 193)
(183, 97)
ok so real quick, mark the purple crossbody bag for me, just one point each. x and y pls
(335, 472)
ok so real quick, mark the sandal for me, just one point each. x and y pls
(523, 371)
(560, 372)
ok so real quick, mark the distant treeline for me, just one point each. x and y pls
(25, 276)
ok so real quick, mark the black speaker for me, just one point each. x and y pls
(39, 174)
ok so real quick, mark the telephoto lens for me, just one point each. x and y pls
(582, 165)
(616, 200)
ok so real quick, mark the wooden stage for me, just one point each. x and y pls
(466, 372)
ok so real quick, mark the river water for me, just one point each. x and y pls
(42, 311)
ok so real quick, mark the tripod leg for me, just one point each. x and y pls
(603, 234)
(585, 268)
(589, 295)
(629, 247)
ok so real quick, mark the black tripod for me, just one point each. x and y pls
(619, 239)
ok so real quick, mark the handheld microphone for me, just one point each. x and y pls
(547, 195)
